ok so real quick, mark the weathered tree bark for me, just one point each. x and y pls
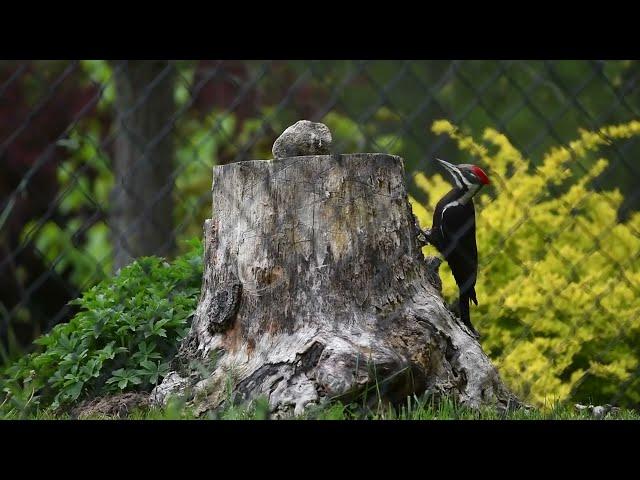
(142, 204)
(315, 287)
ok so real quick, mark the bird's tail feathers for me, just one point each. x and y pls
(472, 296)
(465, 315)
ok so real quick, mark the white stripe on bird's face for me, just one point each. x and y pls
(464, 179)
(455, 173)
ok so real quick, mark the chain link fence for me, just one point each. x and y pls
(103, 162)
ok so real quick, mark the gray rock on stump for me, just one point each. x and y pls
(303, 138)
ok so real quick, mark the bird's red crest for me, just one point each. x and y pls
(481, 175)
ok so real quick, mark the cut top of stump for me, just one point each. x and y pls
(303, 138)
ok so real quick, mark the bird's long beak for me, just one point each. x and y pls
(449, 166)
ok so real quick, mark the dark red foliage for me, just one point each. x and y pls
(39, 103)
(219, 84)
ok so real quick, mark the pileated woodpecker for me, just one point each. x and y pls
(453, 232)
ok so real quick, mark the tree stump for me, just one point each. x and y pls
(315, 288)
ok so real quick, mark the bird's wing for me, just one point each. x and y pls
(459, 246)
(458, 229)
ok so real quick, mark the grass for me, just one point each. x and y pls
(414, 409)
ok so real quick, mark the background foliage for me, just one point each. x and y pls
(558, 228)
(558, 293)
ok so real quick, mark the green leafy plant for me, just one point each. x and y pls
(123, 338)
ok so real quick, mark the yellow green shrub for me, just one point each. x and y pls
(559, 277)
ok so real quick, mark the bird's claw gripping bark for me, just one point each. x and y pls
(423, 239)
(423, 236)
(470, 329)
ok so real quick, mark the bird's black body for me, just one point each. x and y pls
(453, 233)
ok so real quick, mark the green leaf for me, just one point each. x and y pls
(74, 391)
(148, 365)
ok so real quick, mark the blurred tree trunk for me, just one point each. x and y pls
(142, 198)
